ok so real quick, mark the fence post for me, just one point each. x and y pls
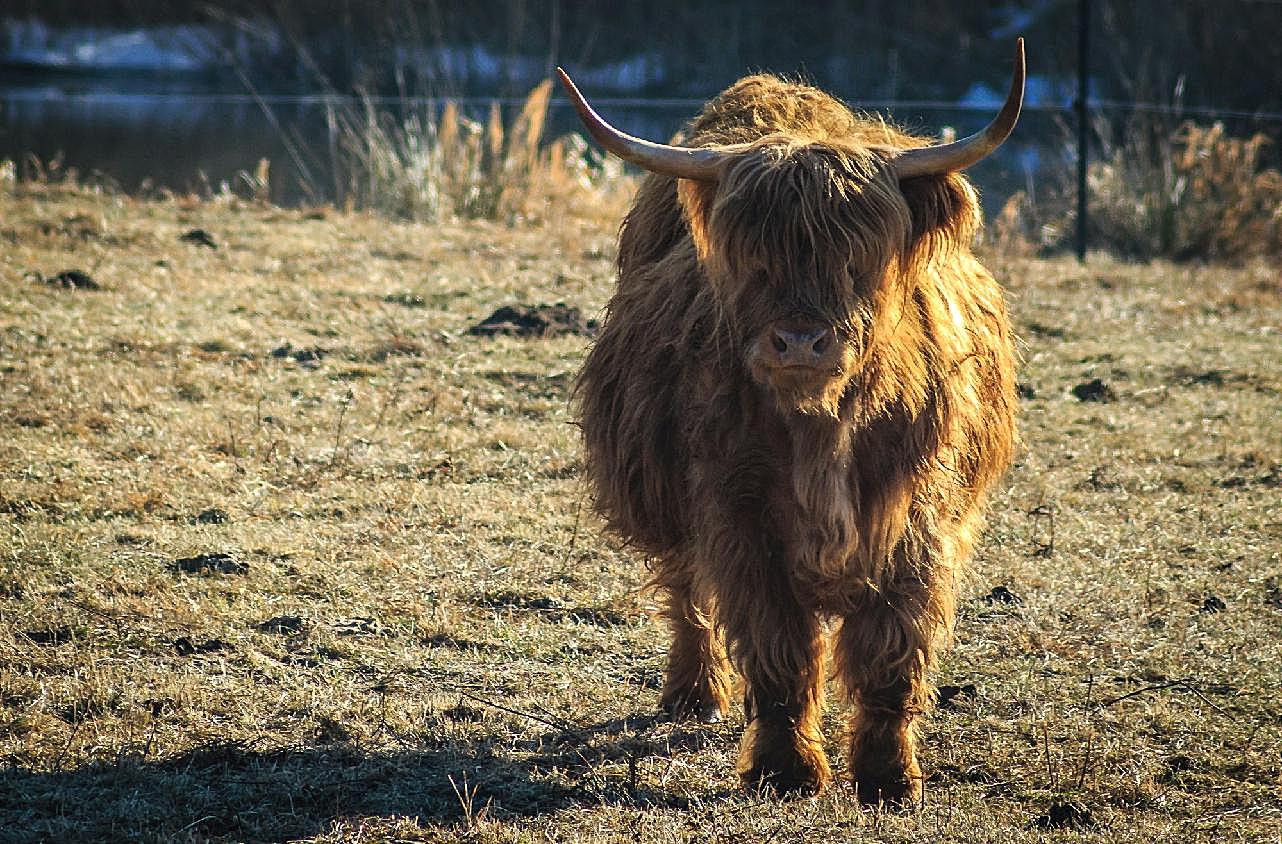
(1083, 127)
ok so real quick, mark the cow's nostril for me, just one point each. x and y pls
(780, 344)
(820, 344)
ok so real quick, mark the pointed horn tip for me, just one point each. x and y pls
(1020, 64)
(1019, 75)
(566, 82)
(959, 155)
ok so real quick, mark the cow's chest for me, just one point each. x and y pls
(816, 511)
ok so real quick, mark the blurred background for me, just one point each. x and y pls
(347, 101)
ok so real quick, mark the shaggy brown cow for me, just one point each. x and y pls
(802, 389)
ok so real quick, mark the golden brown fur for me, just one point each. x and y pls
(772, 499)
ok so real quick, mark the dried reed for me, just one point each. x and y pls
(452, 167)
(1201, 195)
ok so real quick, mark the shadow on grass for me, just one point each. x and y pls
(233, 791)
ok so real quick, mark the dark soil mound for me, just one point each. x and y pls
(70, 280)
(534, 321)
(1094, 390)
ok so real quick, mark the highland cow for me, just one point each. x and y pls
(802, 389)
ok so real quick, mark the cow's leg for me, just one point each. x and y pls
(697, 684)
(884, 650)
(773, 640)
(778, 649)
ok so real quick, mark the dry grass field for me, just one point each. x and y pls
(287, 554)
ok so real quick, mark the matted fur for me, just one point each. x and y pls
(769, 505)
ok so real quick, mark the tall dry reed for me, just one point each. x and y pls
(432, 167)
(1203, 194)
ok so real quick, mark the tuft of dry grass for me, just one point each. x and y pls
(286, 554)
(1196, 193)
(432, 167)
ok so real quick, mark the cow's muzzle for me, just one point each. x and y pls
(800, 344)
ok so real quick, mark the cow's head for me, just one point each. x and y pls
(809, 243)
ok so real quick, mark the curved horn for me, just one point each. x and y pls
(948, 158)
(682, 162)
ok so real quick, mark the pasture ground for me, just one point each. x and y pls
(286, 554)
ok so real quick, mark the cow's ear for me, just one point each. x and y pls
(944, 210)
(696, 200)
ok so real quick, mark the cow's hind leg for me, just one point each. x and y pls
(883, 651)
(697, 684)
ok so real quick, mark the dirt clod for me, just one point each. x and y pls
(330, 731)
(282, 624)
(1060, 815)
(70, 280)
(534, 321)
(1053, 331)
(515, 601)
(408, 300)
(1213, 604)
(218, 562)
(186, 647)
(53, 636)
(312, 354)
(1210, 377)
(361, 626)
(948, 695)
(1094, 390)
(198, 237)
(1001, 595)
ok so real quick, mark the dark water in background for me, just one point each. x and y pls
(184, 136)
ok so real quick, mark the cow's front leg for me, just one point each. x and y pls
(777, 648)
(883, 651)
(697, 684)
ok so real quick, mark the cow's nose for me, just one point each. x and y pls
(801, 347)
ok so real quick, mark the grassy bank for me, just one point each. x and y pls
(286, 553)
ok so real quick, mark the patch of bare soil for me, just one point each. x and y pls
(534, 321)
(1094, 390)
(70, 280)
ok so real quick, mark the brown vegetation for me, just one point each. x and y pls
(399, 621)
(1194, 193)
(1197, 194)
(441, 166)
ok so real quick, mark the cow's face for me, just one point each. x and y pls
(800, 243)
(808, 237)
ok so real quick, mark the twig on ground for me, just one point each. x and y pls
(563, 726)
(1157, 687)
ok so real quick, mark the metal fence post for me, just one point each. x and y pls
(1083, 127)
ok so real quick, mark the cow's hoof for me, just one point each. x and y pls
(890, 782)
(899, 794)
(784, 763)
(691, 708)
(791, 780)
(884, 769)
(708, 713)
